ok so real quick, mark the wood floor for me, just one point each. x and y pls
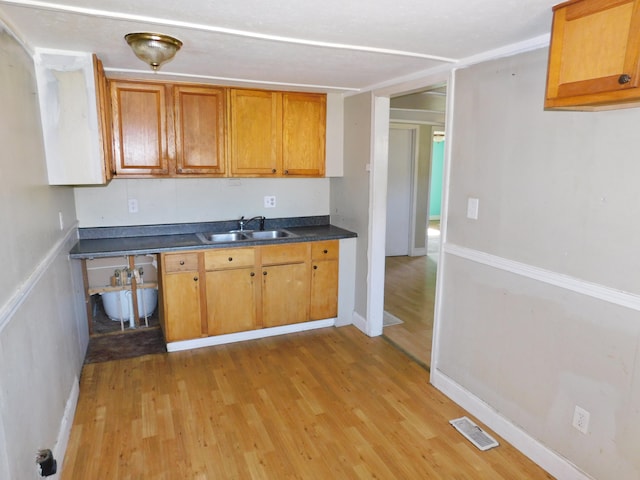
(323, 404)
(409, 294)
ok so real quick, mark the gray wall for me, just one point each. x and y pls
(534, 316)
(42, 335)
(350, 193)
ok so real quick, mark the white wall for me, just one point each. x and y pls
(350, 194)
(43, 335)
(162, 201)
(534, 318)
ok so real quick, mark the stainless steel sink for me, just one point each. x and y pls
(246, 235)
(268, 234)
(221, 237)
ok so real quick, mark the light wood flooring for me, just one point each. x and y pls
(409, 293)
(324, 404)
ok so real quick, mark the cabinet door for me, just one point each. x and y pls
(255, 132)
(285, 294)
(303, 134)
(104, 118)
(324, 289)
(181, 295)
(594, 53)
(199, 130)
(231, 301)
(139, 128)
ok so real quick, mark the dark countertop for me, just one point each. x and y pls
(147, 239)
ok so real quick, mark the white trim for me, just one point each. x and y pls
(249, 335)
(360, 322)
(601, 292)
(66, 423)
(541, 455)
(379, 162)
(94, 12)
(8, 310)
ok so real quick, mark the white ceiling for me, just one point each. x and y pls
(328, 45)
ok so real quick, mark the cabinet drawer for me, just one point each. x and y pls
(180, 262)
(288, 253)
(229, 258)
(327, 250)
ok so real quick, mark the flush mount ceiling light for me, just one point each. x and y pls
(154, 49)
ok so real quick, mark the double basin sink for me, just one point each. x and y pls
(244, 236)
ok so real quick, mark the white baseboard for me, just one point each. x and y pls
(541, 455)
(360, 322)
(66, 423)
(249, 335)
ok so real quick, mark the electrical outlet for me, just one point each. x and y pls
(133, 205)
(581, 419)
(269, 201)
(61, 220)
(472, 208)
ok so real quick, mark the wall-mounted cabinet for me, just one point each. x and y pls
(277, 134)
(167, 130)
(74, 110)
(594, 56)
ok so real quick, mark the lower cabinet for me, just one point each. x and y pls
(285, 284)
(232, 286)
(324, 280)
(182, 294)
(229, 290)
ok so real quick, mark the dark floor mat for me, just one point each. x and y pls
(143, 341)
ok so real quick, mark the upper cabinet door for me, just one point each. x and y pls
(139, 128)
(255, 131)
(594, 54)
(199, 129)
(303, 134)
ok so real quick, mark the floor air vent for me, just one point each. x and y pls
(474, 433)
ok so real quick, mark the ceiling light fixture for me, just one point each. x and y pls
(154, 49)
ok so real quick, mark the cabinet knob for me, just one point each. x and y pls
(273, 170)
(315, 267)
(181, 262)
(195, 279)
(286, 172)
(264, 273)
(231, 259)
(325, 251)
(624, 78)
(253, 274)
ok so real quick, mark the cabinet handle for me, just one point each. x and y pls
(231, 259)
(624, 78)
(181, 262)
(195, 279)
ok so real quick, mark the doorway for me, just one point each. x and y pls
(413, 244)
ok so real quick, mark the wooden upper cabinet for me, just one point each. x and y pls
(139, 128)
(277, 134)
(199, 130)
(255, 131)
(303, 134)
(594, 55)
(104, 118)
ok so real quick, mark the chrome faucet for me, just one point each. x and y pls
(242, 223)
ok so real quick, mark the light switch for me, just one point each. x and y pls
(472, 208)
